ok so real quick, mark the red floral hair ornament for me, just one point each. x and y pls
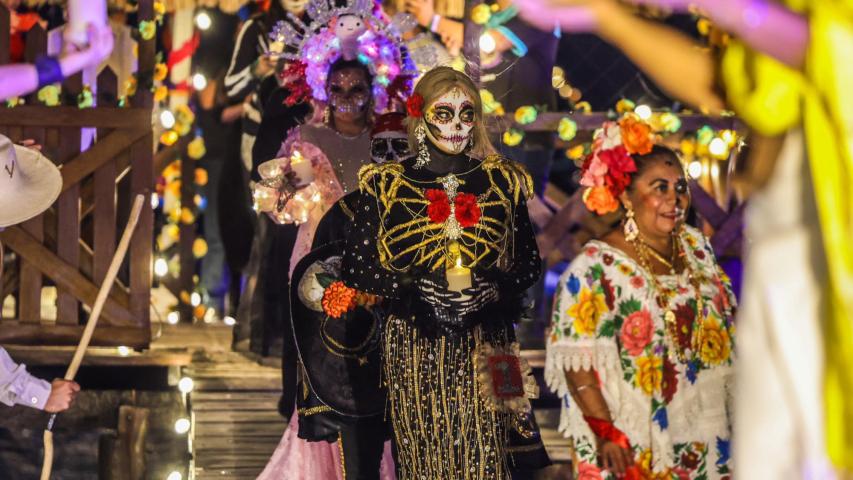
(415, 105)
(606, 172)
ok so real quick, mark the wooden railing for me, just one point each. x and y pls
(71, 244)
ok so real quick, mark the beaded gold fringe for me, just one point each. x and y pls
(444, 430)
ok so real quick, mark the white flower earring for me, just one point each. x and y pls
(630, 229)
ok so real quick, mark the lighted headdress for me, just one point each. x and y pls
(606, 172)
(358, 30)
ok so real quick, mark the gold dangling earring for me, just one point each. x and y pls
(630, 229)
(423, 153)
(327, 116)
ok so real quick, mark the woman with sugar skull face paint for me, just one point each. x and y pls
(457, 387)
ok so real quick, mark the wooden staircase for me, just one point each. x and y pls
(236, 425)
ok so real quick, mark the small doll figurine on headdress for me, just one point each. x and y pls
(356, 31)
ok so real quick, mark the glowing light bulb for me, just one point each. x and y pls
(487, 43)
(167, 119)
(185, 385)
(182, 425)
(199, 81)
(161, 267)
(203, 21)
(173, 318)
(230, 321)
(643, 111)
(718, 147)
(175, 475)
(155, 200)
(123, 351)
(195, 299)
(694, 169)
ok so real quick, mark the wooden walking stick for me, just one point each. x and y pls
(103, 293)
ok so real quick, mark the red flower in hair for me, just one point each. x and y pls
(619, 167)
(467, 211)
(415, 105)
(439, 207)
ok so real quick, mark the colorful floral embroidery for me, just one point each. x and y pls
(586, 312)
(716, 344)
(649, 374)
(637, 331)
(605, 297)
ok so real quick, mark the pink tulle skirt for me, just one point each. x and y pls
(296, 459)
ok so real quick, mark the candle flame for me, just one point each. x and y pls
(458, 262)
(296, 157)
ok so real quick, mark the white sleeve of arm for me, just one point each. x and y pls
(17, 386)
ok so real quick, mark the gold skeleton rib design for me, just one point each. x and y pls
(486, 244)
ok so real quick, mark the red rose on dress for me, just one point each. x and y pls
(684, 316)
(669, 383)
(439, 207)
(700, 254)
(637, 331)
(637, 281)
(467, 211)
(415, 105)
(690, 460)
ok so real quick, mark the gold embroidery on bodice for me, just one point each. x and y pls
(409, 238)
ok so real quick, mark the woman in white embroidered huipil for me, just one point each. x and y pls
(641, 346)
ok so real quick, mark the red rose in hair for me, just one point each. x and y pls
(439, 207)
(619, 167)
(467, 210)
(415, 105)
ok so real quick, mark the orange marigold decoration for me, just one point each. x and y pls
(338, 299)
(600, 200)
(636, 135)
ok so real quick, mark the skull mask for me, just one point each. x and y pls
(388, 140)
(450, 120)
(349, 91)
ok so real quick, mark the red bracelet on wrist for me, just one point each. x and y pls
(607, 431)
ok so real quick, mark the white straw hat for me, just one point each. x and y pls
(29, 183)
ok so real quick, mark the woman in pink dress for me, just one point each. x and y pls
(353, 64)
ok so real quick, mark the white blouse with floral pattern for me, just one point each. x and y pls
(675, 414)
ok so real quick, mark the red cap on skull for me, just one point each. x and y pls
(389, 122)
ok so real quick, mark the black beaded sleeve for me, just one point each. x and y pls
(526, 264)
(361, 268)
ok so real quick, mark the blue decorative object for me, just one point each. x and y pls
(722, 451)
(574, 284)
(662, 420)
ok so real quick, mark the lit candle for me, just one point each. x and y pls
(302, 168)
(458, 277)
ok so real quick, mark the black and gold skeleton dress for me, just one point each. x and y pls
(444, 426)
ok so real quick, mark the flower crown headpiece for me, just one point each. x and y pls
(370, 37)
(606, 172)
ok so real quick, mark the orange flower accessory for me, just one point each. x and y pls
(338, 299)
(600, 200)
(636, 135)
